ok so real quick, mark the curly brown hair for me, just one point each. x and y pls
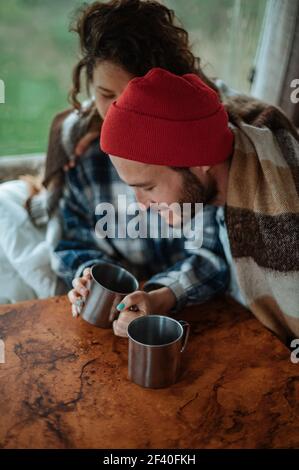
(134, 34)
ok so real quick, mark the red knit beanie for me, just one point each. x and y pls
(166, 119)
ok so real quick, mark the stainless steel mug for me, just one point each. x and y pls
(109, 285)
(156, 344)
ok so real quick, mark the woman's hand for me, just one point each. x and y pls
(77, 296)
(132, 306)
(81, 148)
(139, 303)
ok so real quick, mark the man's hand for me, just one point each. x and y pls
(77, 296)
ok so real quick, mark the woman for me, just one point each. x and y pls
(120, 40)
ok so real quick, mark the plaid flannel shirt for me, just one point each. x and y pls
(194, 275)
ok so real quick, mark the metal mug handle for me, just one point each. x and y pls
(186, 327)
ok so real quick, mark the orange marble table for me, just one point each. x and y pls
(64, 384)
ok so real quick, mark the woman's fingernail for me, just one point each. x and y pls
(120, 306)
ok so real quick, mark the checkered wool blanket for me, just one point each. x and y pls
(262, 216)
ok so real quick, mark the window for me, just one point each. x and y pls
(37, 54)
(36, 57)
(225, 35)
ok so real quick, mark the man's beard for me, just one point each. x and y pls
(194, 191)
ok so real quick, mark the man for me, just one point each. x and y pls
(176, 276)
(169, 138)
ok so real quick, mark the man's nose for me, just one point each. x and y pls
(105, 111)
(142, 199)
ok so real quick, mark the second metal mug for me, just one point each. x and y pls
(109, 285)
(155, 346)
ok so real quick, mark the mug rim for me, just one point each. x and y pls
(156, 345)
(121, 269)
